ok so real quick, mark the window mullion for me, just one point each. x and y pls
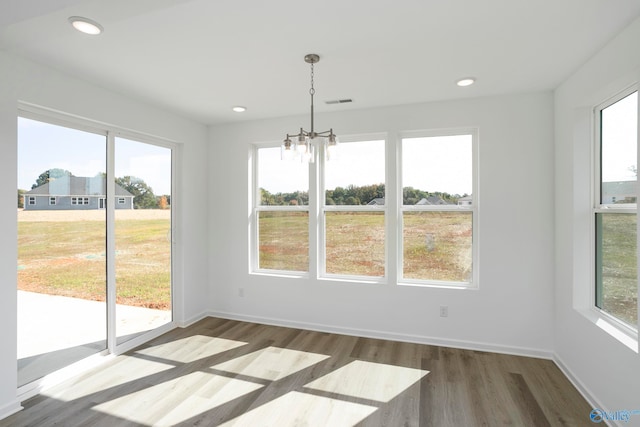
(314, 214)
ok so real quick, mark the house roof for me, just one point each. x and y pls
(377, 201)
(77, 186)
(432, 200)
(620, 187)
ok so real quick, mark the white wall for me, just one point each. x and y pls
(28, 82)
(513, 309)
(605, 368)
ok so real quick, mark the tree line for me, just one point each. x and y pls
(143, 196)
(352, 195)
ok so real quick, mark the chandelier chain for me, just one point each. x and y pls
(312, 91)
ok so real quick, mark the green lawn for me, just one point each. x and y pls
(619, 292)
(68, 258)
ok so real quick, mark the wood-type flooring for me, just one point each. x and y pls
(230, 373)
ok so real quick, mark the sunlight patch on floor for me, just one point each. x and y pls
(271, 363)
(200, 392)
(107, 378)
(368, 380)
(184, 351)
(300, 409)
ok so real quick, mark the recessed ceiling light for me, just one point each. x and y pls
(86, 25)
(239, 109)
(467, 81)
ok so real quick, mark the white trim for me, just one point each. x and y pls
(255, 207)
(392, 336)
(608, 322)
(323, 209)
(56, 117)
(111, 132)
(10, 409)
(579, 385)
(111, 245)
(473, 208)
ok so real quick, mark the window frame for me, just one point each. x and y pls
(256, 208)
(473, 209)
(32, 199)
(111, 132)
(324, 208)
(599, 208)
(393, 211)
(53, 200)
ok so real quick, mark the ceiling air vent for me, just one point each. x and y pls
(339, 101)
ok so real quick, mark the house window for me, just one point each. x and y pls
(32, 200)
(281, 214)
(354, 210)
(52, 200)
(121, 200)
(615, 210)
(79, 200)
(438, 210)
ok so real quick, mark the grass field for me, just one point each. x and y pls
(437, 244)
(619, 268)
(63, 253)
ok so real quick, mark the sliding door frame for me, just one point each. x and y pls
(110, 132)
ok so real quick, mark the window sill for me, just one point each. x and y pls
(440, 285)
(281, 273)
(628, 338)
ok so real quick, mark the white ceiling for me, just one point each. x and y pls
(201, 57)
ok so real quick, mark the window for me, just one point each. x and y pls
(354, 210)
(615, 209)
(339, 219)
(121, 201)
(438, 209)
(281, 212)
(79, 200)
(32, 200)
(52, 200)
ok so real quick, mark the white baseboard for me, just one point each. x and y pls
(193, 319)
(582, 389)
(10, 409)
(392, 336)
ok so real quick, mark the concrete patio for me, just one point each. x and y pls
(55, 331)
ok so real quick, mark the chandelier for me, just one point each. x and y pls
(302, 144)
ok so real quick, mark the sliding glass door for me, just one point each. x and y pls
(94, 243)
(142, 237)
(61, 247)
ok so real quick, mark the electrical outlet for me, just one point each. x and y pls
(241, 292)
(444, 311)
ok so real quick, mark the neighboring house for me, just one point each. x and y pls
(619, 192)
(378, 201)
(432, 200)
(75, 193)
(465, 201)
